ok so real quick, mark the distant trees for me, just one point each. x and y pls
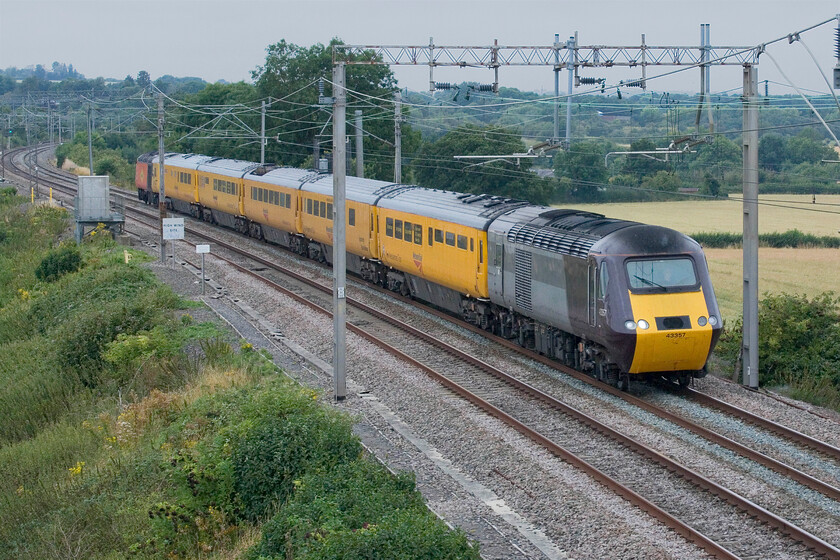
(640, 165)
(435, 167)
(583, 165)
(719, 157)
(291, 73)
(143, 79)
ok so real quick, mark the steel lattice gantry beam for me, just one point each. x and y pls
(558, 56)
(582, 56)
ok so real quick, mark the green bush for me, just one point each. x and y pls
(59, 262)
(359, 510)
(798, 339)
(282, 450)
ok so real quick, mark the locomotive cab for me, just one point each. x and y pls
(657, 311)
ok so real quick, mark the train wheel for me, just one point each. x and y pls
(600, 372)
(684, 380)
(623, 381)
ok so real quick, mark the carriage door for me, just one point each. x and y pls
(495, 265)
(592, 292)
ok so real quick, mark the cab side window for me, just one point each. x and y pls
(604, 280)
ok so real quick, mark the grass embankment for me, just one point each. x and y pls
(127, 429)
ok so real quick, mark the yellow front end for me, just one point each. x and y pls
(663, 349)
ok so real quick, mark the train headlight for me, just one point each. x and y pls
(701, 321)
(630, 325)
(713, 320)
(644, 325)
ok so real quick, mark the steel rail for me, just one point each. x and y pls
(789, 433)
(720, 439)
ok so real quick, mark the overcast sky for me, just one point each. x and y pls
(226, 40)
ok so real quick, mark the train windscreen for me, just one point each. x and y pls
(665, 274)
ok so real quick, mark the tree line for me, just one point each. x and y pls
(597, 166)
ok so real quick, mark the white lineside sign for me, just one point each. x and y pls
(173, 228)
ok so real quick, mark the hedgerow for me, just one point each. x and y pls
(791, 238)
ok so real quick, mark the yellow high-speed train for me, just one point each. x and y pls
(615, 298)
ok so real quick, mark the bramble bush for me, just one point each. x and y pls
(282, 450)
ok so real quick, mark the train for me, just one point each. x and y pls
(614, 298)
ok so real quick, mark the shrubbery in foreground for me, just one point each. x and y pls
(127, 433)
(799, 345)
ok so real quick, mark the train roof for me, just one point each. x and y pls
(472, 210)
(187, 161)
(646, 240)
(290, 177)
(356, 189)
(229, 167)
(578, 233)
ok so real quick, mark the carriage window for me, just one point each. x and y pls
(398, 229)
(472, 245)
(481, 251)
(351, 216)
(661, 274)
(450, 239)
(438, 236)
(408, 231)
(389, 227)
(329, 213)
(418, 234)
(431, 237)
(462, 242)
(323, 209)
(308, 205)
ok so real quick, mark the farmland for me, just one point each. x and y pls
(794, 271)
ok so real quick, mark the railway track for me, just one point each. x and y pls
(519, 404)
